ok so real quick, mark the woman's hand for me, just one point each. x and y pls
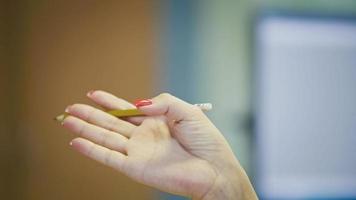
(175, 148)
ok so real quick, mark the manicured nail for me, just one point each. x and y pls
(71, 143)
(90, 93)
(143, 102)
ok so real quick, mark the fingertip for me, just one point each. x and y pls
(71, 123)
(96, 93)
(90, 93)
(78, 144)
(76, 141)
(64, 122)
(67, 110)
(98, 96)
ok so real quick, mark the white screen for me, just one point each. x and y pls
(306, 115)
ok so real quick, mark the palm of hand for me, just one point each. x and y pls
(189, 157)
(158, 159)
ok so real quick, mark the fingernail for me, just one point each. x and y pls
(143, 102)
(67, 109)
(90, 93)
(71, 143)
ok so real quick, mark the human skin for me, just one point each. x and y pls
(174, 148)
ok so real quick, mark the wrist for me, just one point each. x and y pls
(232, 183)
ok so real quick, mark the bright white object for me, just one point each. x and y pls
(306, 108)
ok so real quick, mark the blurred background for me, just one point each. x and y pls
(281, 75)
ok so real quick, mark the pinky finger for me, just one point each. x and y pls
(99, 153)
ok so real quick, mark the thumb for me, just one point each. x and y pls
(170, 106)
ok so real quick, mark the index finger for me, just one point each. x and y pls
(111, 102)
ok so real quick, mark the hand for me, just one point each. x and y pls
(174, 148)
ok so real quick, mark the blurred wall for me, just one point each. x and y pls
(62, 50)
(3, 100)
(209, 57)
(9, 149)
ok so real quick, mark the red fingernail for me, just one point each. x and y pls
(90, 92)
(143, 102)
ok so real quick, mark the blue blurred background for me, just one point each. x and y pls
(281, 75)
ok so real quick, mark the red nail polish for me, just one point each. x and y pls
(143, 102)
(90, 92)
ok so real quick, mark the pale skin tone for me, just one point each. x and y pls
(174, 148)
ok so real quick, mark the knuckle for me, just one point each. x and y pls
(91, 150)
(113, 124)
(104, 138)
(82, 130)
(165, 95)
(108, 159)
(90, 114)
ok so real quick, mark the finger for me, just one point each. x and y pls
(96, 134)
(170, 106)
(101, 154)
(101, 118)
(136, 120)
(109, 101)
